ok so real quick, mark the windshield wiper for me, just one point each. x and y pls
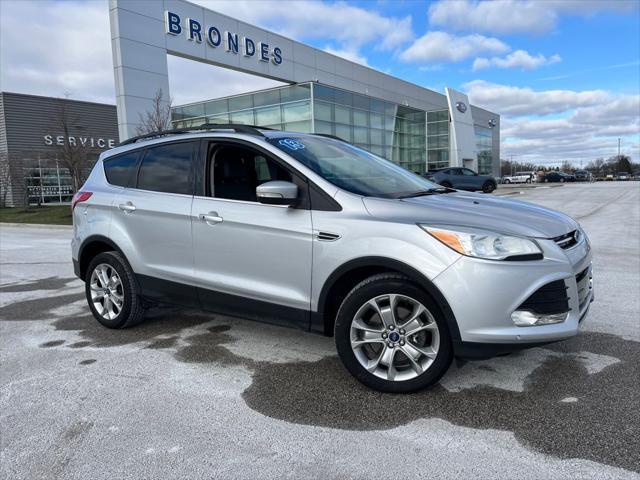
(430, 191)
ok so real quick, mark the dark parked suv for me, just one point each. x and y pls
(462, 179)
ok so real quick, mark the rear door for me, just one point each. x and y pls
(152, 221)
(250, 258)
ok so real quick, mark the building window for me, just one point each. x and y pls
(437, 139)
(484, 144)
(47, 182)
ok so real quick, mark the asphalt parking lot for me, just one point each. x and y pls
(193, 395)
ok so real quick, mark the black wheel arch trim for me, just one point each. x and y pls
(318, 320)
(78, 265)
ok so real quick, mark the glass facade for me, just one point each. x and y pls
(484, 141)
(437, 139)
(285, 108)
(48, 184)
(415, 139)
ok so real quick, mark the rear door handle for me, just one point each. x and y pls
(127, 207)
(211, 218)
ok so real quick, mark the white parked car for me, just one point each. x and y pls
(520, 177)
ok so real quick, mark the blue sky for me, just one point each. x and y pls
(563, 74)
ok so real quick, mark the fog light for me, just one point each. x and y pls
(525, 318)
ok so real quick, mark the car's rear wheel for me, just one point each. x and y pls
(391, 336)
(488, 187)
(528, 180)
(446, 184)
(562, 180)
(112, 291)
(507, 181)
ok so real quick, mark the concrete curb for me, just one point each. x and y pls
(528, 186)
(36, 225)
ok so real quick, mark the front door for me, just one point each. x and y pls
(250, 257)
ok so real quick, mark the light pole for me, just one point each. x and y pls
(618, 148)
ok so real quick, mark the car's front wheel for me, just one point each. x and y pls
(391, 336)
(112, 291)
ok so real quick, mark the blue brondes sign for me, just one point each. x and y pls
(195, 32)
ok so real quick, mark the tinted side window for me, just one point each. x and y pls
(237, 171)
(167, 168)
(120, 170)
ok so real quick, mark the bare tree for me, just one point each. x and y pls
(5, 179)
(158, 117)
(74, 155)
(566, 167)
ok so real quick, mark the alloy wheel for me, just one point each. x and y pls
(394, 337)
(107, 293)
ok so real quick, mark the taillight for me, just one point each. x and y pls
(80, 197)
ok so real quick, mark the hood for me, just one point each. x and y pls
(475, 210)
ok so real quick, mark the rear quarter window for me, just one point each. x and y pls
(120, 170)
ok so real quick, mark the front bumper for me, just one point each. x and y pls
(483, 294)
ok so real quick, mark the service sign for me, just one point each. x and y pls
(78, 141)
(232, 42)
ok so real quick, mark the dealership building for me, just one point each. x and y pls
(37, 137)
(416, 127)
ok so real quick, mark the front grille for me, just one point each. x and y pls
(584, 285)
(568, 240)
(549, 299)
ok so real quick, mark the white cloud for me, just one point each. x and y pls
(444, 47)
(518, 59)
(347, 25)
(584, 125)
(516, 16)
(511, 100)
(67, 49)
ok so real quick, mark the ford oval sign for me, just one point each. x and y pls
(492, 122)
(461, 106)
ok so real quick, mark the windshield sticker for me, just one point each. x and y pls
(291, 144)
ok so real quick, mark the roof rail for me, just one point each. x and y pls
(236, 127)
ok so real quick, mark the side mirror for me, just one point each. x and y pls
(277, 192)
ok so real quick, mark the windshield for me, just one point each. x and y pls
(353, 169)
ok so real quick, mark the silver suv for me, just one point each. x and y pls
(310, 231)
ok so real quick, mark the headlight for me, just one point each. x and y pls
(483, 244)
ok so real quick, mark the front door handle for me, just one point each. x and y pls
(211, 218)
(127, 207)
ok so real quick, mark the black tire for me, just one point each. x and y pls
(562, 180)
(133, 310)
(446, 184)
(528, 180)
(488, 187)
(507, 181)
(546, 180)
(381, 284)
